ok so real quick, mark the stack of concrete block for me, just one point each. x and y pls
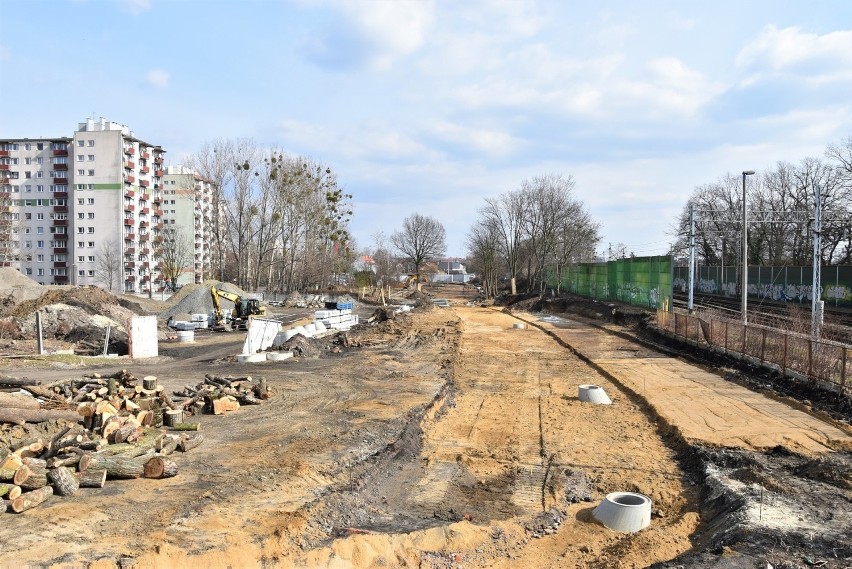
(336, 319)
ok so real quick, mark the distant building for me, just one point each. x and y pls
(452, 271)
(364, 263)
(188, 215)
(85, 209)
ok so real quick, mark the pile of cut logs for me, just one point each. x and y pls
(119, 436)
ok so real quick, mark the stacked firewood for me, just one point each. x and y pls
(218, 395)
(78, 457)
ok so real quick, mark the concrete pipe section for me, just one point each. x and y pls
(519, 326)
(278, 356)
(185, 336)
(594, 394)
(625, 512)
(251, 358)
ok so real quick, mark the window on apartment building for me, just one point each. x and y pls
(91, 142)
(91, 244)
(40, 230)
(80, 258)
(91, 230)
(28, 188)
(39, 188)
(90, 201)
(39, 174)
(91, 157)
(39, 160)
(81, 244)
(39, 215)
(40, 146)
(81, 215)
(81, 186)
(40, 245)
(81, 143)
(91, 215)
(28, 244)
(26, 230)
(40, 272)
(81, 273)
(79, 201)
(81, 172)
(91, 273)
(28, 146)
(91, 186)
(91, 172)
(40, 258)
(80, 158)
(27, 160)
(91, 258)
(28, 216)
(81, 230)
(29, 271)
(28, 175)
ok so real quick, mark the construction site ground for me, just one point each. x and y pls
(448, 438)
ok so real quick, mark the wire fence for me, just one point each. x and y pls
(791, 352)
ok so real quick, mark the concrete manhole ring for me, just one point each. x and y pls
(625, 512)
(593, 394)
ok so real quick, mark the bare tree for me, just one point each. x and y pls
(421, 238)
(506, 215)
(483, 245)
(177, 255)
(108, 264)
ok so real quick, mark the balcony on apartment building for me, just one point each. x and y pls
(129, 179)
(129, 264)
(144, 154)
(145, 196)
(59, 265)
(61, 278)
(129, 207)
(145, 211)
(60, 222)
(159, 173)
(128, 221)
(129, 150)
(60, 250)
(60, 208)
(144, 237)
(129, 193)
(60, 166)
(130, 236)
(144, 169)
(130, 251)
(4, 153)
(158, 159)
(60, 193)
(144, 183)
(60, 152)
(143, 223)
(60, 181)
(129, 165)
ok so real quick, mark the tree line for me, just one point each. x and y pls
(780, 204)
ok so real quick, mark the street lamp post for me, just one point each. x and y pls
(745, 250)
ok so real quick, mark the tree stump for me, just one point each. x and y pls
(149, 382)
(31, 499)
(160, 467)
(64, 482)
(172, 417)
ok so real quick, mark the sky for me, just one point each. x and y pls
(433, 106)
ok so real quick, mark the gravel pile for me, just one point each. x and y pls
(196, 299)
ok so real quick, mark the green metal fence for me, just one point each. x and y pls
(643, 281)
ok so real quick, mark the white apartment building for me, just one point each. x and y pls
(188, 214)
(85, 210)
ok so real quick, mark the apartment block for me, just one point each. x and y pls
(84, 210)
(187, 214)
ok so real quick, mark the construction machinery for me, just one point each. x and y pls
(243, 309)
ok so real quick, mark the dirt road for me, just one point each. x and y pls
(447, 439)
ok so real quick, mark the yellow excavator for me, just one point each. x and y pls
(243, 308)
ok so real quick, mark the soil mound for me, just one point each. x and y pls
(16, 288)
(302, 347)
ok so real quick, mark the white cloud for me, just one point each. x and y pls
(489, 141)
(158, 78)
(136, 7)
(786, 49)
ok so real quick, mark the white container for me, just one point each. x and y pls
(593, 394)
(626, 512)
(519, 325)
(185, 336)
(278, 356)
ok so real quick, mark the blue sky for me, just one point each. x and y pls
(431, 106)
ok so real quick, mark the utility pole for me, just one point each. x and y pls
(691, 256)
(816, 303)
(745, 250)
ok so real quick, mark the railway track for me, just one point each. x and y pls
(838, 320)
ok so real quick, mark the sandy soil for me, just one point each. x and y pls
(447, 439)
